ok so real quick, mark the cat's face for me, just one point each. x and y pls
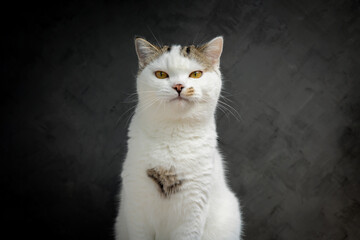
(177, 82)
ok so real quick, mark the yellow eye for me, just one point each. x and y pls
(195, 74)
(161, 74)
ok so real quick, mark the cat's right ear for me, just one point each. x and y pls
(144, 51)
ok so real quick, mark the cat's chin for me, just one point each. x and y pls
(180, 102)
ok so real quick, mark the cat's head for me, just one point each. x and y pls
(178, 82)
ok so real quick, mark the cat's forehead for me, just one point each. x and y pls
(177, 55)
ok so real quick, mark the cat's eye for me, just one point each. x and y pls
(195, 74)
(161, 74)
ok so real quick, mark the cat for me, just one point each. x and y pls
(173, 180)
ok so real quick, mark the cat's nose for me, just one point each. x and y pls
(178, 88)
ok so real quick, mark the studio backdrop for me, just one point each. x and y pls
(288, 126)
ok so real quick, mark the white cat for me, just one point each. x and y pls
(173, 181)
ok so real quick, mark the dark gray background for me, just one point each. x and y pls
(291, 69)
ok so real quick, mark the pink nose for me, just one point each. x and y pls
(178, 87)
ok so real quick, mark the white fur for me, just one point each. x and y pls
(180, 134)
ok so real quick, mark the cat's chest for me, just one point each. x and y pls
(186, 151)
(169, 164)
(182, 152)
(178, 151)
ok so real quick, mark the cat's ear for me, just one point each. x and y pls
(144, 50)
(213, 50)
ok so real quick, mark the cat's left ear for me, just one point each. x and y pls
(213, 50)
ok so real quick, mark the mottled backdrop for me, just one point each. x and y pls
(290, 135)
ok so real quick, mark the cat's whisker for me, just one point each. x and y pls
(161, 103)
(225, 113)
(146, 105)
(224, 91)
(127, 111)
(231, 110)
(226, 98)
(159, 45)
(134, 96)
(140, 109)
(158, 100)
(130, 101)
(147, 92)
(133, 99)
(129, 118)
(226, 109)
(197, 34)
(129, 97)
(118, 121)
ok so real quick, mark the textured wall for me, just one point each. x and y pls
(291, 70)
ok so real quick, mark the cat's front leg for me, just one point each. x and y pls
(187, 232)
(193, 223)
(191, 196)
(136, 227)
(131, 223)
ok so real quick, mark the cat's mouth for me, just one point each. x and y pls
(179, 98)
